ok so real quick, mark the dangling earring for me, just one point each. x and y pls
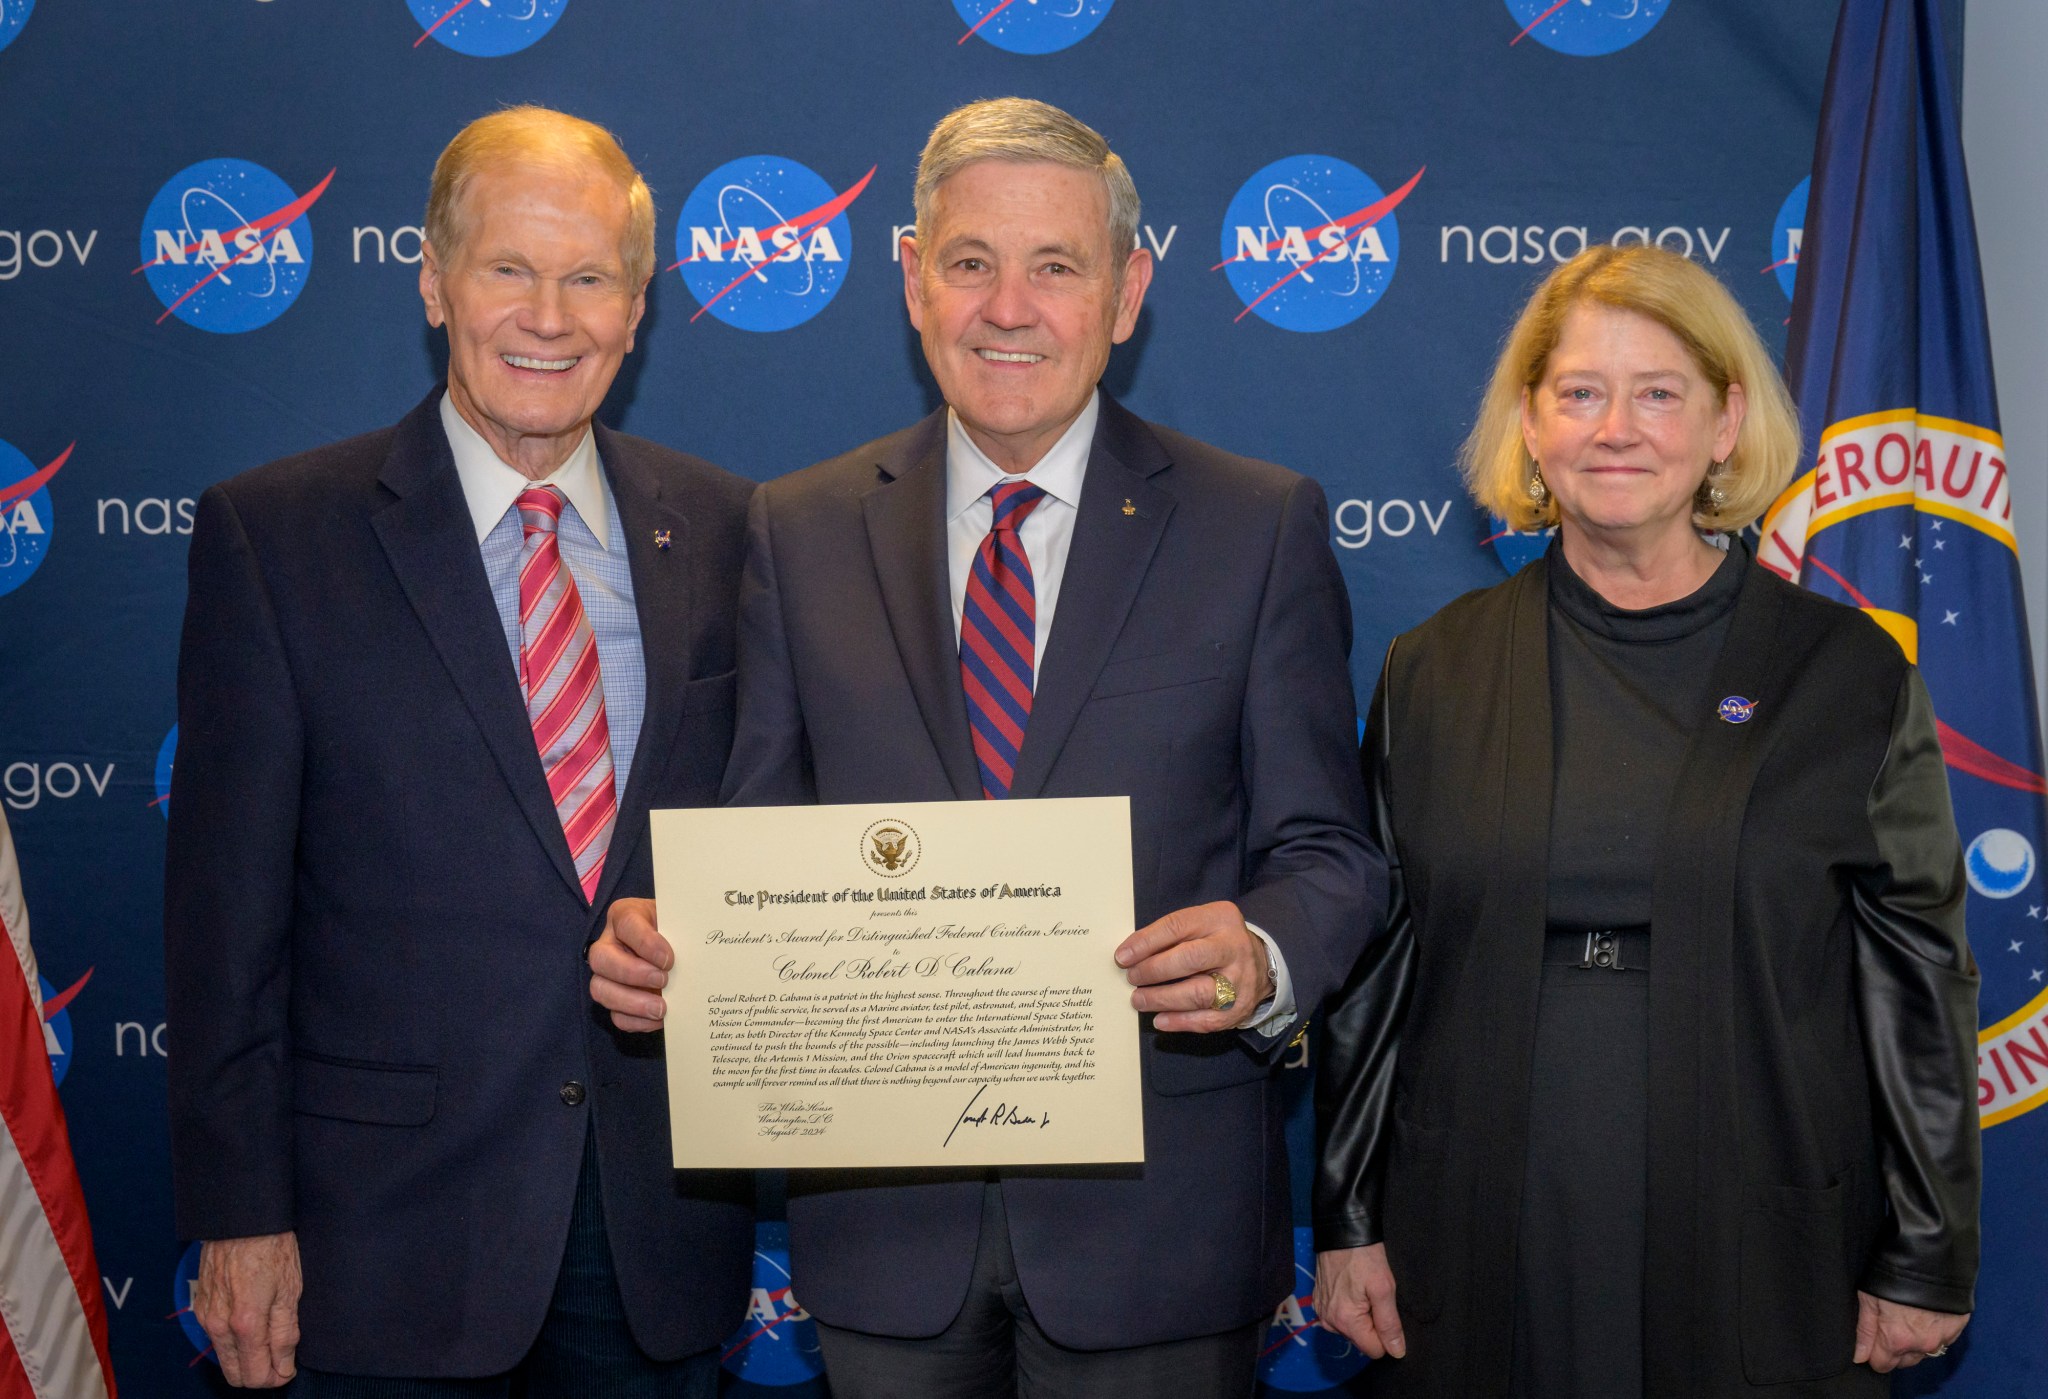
(1710, 495)
(1538, 490)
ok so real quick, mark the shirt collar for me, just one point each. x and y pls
(490, 486)
(970, 474)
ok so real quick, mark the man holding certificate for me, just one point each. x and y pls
(1035, 594)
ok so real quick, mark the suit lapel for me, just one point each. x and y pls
(1106, 565)
(906, 523)
(431, 544)
(661, 597)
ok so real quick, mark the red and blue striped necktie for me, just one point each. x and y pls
(998, 639)
(564, 696)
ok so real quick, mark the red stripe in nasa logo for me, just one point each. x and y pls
(1512, 42)
(985, 19)
(460, 6)
(22, 489)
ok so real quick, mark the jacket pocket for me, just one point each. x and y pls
(387, 1095)
(1180, 1064)
(709, 694)
(1164, 671)
(1798, 1302)
(1413, 1214)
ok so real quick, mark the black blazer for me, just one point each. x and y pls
(1197, 664)
(1813, 1125)
(373, 930)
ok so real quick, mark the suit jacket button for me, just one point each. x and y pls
(572, 1093)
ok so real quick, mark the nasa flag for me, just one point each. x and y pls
(1906, 513)
(53, 1326)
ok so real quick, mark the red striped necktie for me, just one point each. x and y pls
(564, 699)
(998, 639)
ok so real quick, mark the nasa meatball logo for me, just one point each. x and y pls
(186, 1274)
(57, 1038)
(26, 515)
(1516, 548)
(485, 28)
(166, 756)
(1585, 28)
(1787, 233)
(777, 1342)
(1299, 1356)
(227, 245)
(1031, 26)
(763, 242)
(14, 14)
(1736, 710)
(1311, 243)
(1999, 863)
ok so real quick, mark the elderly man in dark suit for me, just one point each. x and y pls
(1033, 593)
(419, 736)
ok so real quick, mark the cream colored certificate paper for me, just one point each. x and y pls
(918, 984)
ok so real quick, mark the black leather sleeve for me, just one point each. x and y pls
(1362, 1034)
(1916, 986)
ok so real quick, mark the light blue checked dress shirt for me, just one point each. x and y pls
(597, 561)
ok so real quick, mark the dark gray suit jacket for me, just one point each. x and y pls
(1197, 664)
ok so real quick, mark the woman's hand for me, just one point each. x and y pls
(1889, 1335)
(1355, 1298)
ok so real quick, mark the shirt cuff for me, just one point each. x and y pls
(1275, 1017)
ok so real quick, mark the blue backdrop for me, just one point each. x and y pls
(1491, 138)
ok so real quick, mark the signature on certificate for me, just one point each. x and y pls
(1001, 1115)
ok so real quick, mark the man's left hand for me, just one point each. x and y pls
(1174, 964)
(1891, 1335)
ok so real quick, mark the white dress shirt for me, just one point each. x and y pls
(1046, 535)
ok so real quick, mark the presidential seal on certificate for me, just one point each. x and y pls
(918, 984)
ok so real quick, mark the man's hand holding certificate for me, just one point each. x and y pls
(920, 984)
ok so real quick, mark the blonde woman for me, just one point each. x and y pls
(1662, 1081)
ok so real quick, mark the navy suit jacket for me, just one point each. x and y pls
(1198, 665)
(374, 934)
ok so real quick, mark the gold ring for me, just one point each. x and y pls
(1226, 994)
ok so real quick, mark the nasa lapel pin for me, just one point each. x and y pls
(1129, 509)
(663, 538)
(1736, 710)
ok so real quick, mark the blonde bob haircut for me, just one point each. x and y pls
(1689, 302)
(550, 140)
(1021, 130)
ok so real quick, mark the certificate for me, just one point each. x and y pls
(913, 984)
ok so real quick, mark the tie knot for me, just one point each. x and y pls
(1013, 500)
(540, 510)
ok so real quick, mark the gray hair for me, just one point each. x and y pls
(1020, 129)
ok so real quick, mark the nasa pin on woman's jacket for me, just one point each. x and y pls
(1812, 1002)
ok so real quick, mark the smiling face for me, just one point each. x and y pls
(538, 308)
(1016, 293)
(1625, 425)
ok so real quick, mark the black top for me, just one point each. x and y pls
(1627, 690)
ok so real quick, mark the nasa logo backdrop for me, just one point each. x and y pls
(27, 515)
(763, 242)
(227, 246)
(219, 208)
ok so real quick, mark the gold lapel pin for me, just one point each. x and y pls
(663, 538)
(1129, 509)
